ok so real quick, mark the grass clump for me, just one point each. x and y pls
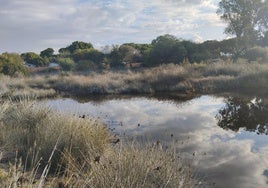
(141, 166)
(32, 131)
(43, 148)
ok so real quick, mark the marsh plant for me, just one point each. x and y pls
(205, 77)
(141, 166)
(41, 147)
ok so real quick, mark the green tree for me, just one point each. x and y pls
(246, 19)
(88, 54)
(129, 53)
(143, 49)
(124, 54)
(227, 46)
(167, 49)
(191, 49)
(115, 57)
(75, 46)
(34, 59)
(11, 63)
(47, 53)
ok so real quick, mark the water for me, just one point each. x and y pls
(227, 135)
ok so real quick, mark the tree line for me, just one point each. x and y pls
(247, 21)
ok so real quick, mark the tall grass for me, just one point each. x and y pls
(47, 149)
(185, 78)
(32, 131)
(20, 87)
(136, 166)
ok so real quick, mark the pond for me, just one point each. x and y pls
(225, 136)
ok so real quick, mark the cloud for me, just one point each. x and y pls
(31, 25)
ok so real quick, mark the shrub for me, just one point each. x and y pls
(88, 54)
(257, 54)
(34, 59)
(11, 63)
(85, 65)
(66, 64)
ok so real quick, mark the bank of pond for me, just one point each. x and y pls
(187, 79)
(145, 141)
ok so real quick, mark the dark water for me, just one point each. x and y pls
(228, 135)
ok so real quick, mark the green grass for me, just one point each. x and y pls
(41, 147)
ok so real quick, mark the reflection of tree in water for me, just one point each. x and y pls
(250, 115)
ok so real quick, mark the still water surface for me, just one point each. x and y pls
(228, 135)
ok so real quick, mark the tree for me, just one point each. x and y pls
(227, 46)
(167, 49)
(191, 49)
(34, 59)
(128, 53)
(115, 58)
(47, 52)
(210, 49)
(143, 49)
(124, 53)
(11, 63)
(75, 46)
(247, 19)
(88, 54)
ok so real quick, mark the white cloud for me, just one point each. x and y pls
(34, 25)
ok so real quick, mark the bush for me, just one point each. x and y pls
(88, 54)
(257, 54)
(85, 65)
(35, 59)
(66, 64)
(11, 63)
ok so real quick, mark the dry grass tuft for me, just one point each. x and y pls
(43, 148)
(32, 131)
(136, 166)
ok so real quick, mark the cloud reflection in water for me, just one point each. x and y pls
(228, 158)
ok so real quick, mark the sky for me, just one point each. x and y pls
(34, 25)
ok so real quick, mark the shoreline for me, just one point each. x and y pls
(169, 79)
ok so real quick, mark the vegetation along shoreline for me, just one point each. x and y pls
(185, 79)
(40, 147)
